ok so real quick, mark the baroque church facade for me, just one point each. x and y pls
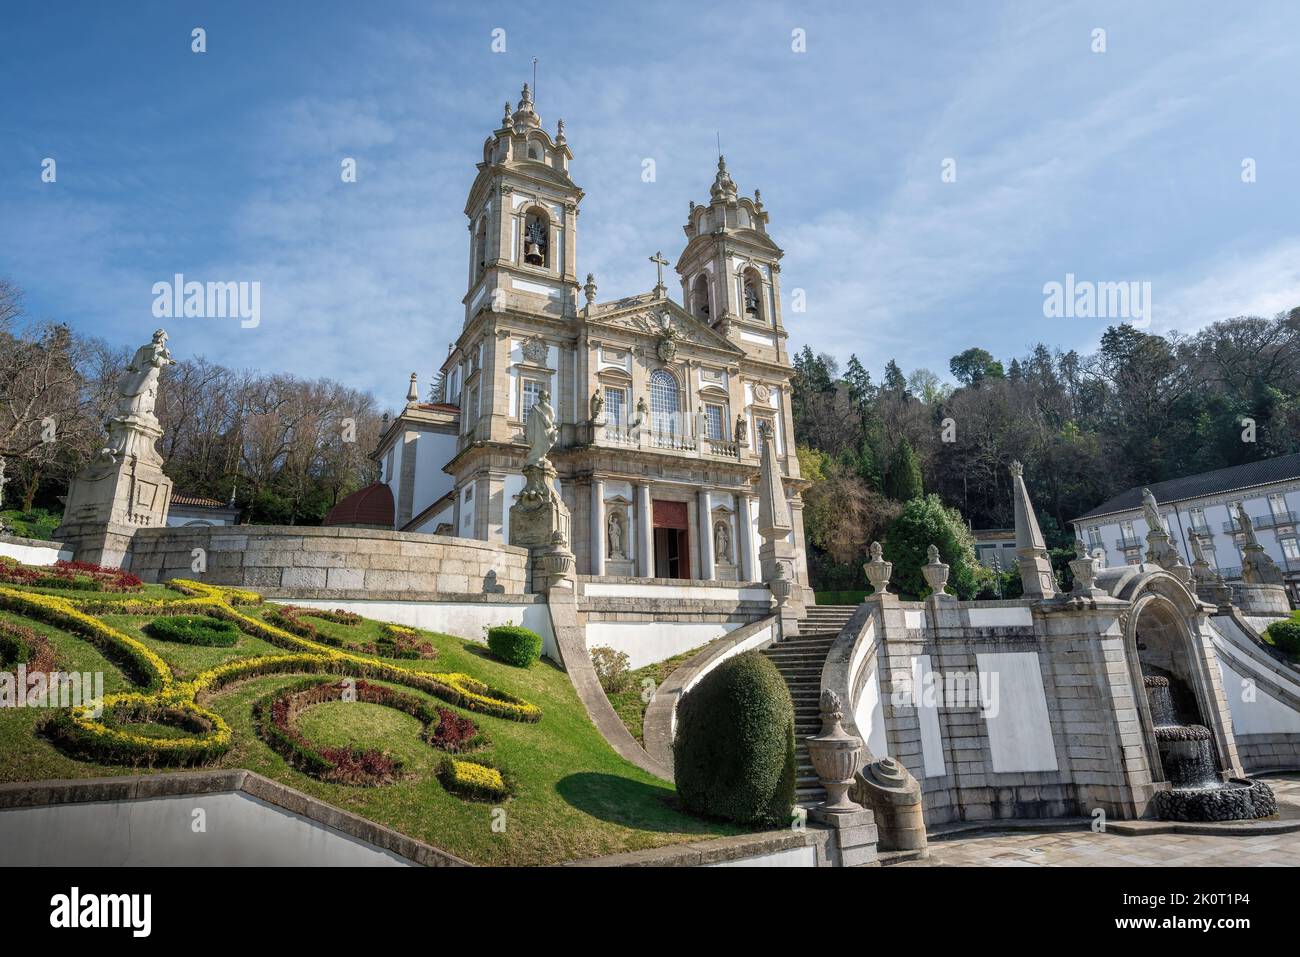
(662, 407)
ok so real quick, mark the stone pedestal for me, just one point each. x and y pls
(894, 796)
(122, 490)
(540, 522)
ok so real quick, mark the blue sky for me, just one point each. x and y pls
(1117, 166)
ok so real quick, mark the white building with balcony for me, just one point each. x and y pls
(660, 406)
(1205, 506)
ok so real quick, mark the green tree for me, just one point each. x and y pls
(973, 366)
(903, 479)
(924, 522)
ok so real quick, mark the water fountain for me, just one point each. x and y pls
(1187, 753)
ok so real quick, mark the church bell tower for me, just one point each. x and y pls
(730, 269)
(523, 215)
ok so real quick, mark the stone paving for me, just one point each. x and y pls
(1080, 847)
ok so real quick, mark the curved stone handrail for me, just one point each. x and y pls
(660, 722)
(846, 667)
(571, 643)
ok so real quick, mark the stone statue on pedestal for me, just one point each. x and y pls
(123, 488)
(539, 519)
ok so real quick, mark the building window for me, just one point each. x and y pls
(714, 417)
(537, 238)
(480, 249)
(664, 401)
(1094, 538)
(1277, 505)
(615, 406)
(530, 392)
(1291, 549)
(1198, 519)
(700, 298)
(752, 294)
(1127, 534)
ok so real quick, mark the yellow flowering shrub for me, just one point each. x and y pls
(475, 780)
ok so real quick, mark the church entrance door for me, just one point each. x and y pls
(671, 540)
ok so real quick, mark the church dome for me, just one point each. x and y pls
(370, 507)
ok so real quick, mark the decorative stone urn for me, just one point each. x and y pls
(936, 573)
(878, 570)
(1084, 567)
(782, 587)
(836, 756)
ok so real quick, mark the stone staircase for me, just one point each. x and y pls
(800, 660)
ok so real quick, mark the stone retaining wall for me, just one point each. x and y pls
(309, 561)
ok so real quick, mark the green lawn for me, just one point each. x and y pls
(630, 703)
(575, 796)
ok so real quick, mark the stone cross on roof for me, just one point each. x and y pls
(660, 263)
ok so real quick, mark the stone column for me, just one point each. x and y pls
(705, 522)
(645, 543)
(597, 564)
(745, 539)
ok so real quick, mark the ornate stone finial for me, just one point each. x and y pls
(935, 572)
(836, 756)
(659, 261)
(559, 134)
(507, 120)
(589, 289)
(878, 571)
(724, 188)
(525, 97)
(413, 391)
(1017, 470)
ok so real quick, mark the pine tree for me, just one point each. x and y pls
(903, 480)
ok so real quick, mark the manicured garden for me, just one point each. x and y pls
(430, 734)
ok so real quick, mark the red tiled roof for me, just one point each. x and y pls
(372, 505)
(196, 501)
(439, 407)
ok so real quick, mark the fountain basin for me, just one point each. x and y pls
(1233, 800)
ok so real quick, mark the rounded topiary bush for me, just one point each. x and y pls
(734, 753)
(193, 630)
(515, 645)
(1286, 635)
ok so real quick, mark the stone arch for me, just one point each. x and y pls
(1162, 637)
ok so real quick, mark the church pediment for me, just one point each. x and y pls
(663, 320)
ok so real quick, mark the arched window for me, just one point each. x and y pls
(700, 297)
(534, 152)
(480, 249)
(752, 294)
(664, 401)
(537, 238)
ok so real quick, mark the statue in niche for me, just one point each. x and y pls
(742, 431)
(597, 407)
(642, 410)
(614, 533)
(721, 542)
(541, 431)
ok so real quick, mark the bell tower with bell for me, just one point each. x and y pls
(730, 269)
(523, 216)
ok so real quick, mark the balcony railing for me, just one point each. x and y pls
(722, 447)
(1230, 571)
(1201, 529)
(1273, 519)
(1127, 541)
